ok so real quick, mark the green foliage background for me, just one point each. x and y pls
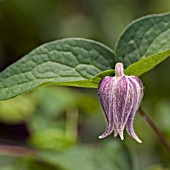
(64, 123)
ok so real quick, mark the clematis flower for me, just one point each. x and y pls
(120, 97)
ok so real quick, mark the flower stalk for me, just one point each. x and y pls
(155, 129)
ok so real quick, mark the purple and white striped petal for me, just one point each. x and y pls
(120, 103)
(105, 96)
(138, 94)
(120, 97)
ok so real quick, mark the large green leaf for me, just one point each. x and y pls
(143, 38)
(69, 62)
(142, 66)
(80, 62)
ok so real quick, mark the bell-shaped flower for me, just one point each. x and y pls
(120, 97)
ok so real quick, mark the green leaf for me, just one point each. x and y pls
(142, 66)
(113, 155)
(13, 161)
(156, 167)
(28, 163)
(107, 156)
(143, 38)
(7, 162)
(76, 158)
(99, 76)
(68, 62)
(51, 138)
(82, 63)
(17, 109)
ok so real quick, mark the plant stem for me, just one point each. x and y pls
(16, 150)
(155, 129)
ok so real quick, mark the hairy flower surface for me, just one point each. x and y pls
(120, 97)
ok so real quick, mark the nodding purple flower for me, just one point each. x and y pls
(120, 97)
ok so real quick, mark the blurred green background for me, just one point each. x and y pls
(62, 124)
